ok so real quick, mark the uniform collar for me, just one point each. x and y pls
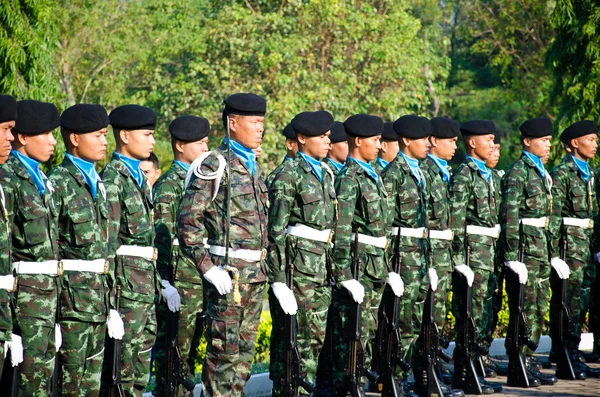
(367, 167)
(88, 171)
(246, 155)
(133, 166)
(315, 165)
(382, 163)
(33, 168)
(537, 163)
(483, 169)
(184, 166)
(413, 165)
(583, 167)
(335, 164)
(442, 166)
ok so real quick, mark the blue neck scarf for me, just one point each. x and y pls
(337, 166)
(442, 165)
(367, 167)
(183, 165)
(287, 158)
(88, 171)
(583, 168)
(414, 167)
(382, 163)
(314, 164)
(537, 162)
(33, 167)
(483, 169)
(246, 155)
(133, 166)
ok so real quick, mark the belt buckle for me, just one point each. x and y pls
(590, 224)
(425, 233)
(263, 254)
(387, 244)
(546, 222)
(59, 269)
(154, 254)
(330, 237)
(105, 267)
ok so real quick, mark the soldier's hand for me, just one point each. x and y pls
(597, 256)
(57, 336)
(115, 326)
(433, 278)
(467, 272)
(356, 290)
(171, 296)
(396, 283)
(519, 268)
(15, 345)
(219, 277)
(286, 298)
(561, 268)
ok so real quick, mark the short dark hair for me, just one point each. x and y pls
(153, 159)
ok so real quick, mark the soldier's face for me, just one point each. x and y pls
(38, 147)
(369, 147)
(492, 161)
(190, 151)
(292, 147)
(6, 137)
(443, 148)
(315, 146)
(139, 143)
(586, 146)
(91, 146)
(338, 151)
(247, 130)
(482, 145)
(539, 147)
(257, 152)
(389, 150)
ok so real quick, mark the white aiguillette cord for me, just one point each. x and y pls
(195, 169)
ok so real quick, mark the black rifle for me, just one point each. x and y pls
(113, 358)
(518, 335)
(564, 339)
(10, 376)
(467, 346)
(55, 378)
(292, 378)
(389, 348)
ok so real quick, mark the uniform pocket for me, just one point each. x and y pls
(483, 203)
(35, 216)
(578, 194)
(83, 224)
(372, 204)
(533, 199)
(310, 205)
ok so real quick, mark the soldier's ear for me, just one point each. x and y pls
(405, 141)
(74, 139)
(124, 135)
(433, 141)
(301, 139)
(179, 146)
(21, 139)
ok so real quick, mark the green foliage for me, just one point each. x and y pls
(263, 340)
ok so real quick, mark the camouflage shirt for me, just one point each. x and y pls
(329, 162)
(362, 207)
(298, 197)
(472, 202)
(525, 194)
(5, 269)
(200, 215)
(276, 171)
(83, 234)
(571, 198)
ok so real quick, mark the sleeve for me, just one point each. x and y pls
(460, 192)
(165, 219)
(113, 202)
(347, 192)
(559, 189)
(512, 192)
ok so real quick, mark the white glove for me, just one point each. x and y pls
(355, 289)
(171, 296)
(286, 298)
(115, 326)
(519, 268)
(16, 350)
(597, 255)
(57, 337)
(561, 267)
(395, 281)
(219, 277)
(467, 272)
(433, 278)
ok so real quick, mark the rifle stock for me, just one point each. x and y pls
(113, 357)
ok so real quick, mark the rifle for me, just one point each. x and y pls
(518, 334)
(389, 349)
(10, 376)
(292, 379)
(55, 378)
(113, 358)
(564, 339)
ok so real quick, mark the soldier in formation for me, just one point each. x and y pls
(389, 147)
(338, 150)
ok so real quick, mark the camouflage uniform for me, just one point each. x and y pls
(6, 310)
(168, 193)
(131, 224)
(34, 235)
(525, 194)
(493, 302)
(332, 166)
(275, 172)
(594, 319)
(472, 202)
(407, 199)
(232, 327)
(572, 198)
(83, 234)
(363, 207)
(299, 198)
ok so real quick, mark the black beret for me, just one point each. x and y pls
(444, 128)
(363, 125)
(8, 108)
(133, 117)
(388, 133)
(312, 123)
(578, 129)
(338, 133)
(36, 117)
(412, 127)
(497, 137)
(537, 128)
(245, 104)
(289, 132)
(478, 127)
(84, 118)
(189, 128)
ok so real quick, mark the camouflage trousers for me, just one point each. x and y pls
(479, 294)
(190, 327)
(589, 279)
(39, 350)
(441, 261)
(594, 320)
(81, 356)
(231, 338)
(313, 303)
(416, 284)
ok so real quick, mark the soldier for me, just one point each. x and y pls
(80, 199)
(189, 140)
(389, 147)
(131, 239)
(291, 145)
(338, 151)
(151, 169)
(363, 206)
(31, 212)
(573, 208)
(474, 220)
(303, 209)
(232, 317)
(524, 215)
(8, 339)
